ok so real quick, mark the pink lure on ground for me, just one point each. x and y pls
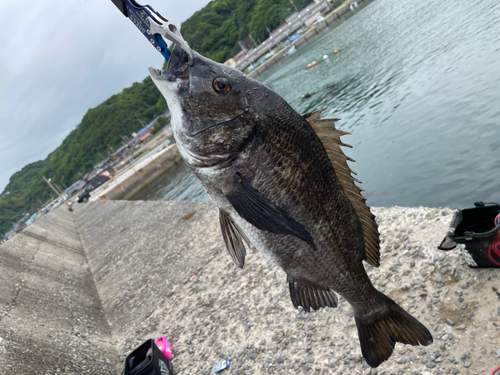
(164, 347)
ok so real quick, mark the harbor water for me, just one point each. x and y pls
(178, 184)
(417, 84)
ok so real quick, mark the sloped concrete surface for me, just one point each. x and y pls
(141, 254)
(51, 319)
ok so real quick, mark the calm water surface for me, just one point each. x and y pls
(418, 86)
(179, 184)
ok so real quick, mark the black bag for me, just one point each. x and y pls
(147, 359)
(478, 229)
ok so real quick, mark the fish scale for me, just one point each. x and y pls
(282, 185)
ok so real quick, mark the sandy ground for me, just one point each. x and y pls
(247, 315)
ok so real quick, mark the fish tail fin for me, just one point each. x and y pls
(378, 335)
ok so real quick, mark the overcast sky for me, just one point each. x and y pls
(60, 58)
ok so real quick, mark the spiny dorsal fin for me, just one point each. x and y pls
(330, 137)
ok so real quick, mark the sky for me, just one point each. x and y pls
(60, 58)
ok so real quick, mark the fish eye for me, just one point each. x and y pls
(221, 85)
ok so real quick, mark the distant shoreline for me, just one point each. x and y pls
(333, 20)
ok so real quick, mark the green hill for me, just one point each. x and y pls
(215, 30)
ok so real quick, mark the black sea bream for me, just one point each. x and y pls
(282, 185)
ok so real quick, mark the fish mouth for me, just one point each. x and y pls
(155, 73)
(177, 69)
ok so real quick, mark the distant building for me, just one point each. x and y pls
(230, 63)
(240, 56)
(73, 189)
(145, 132)
(103, 164)
(119, 152)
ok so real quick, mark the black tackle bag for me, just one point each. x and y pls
(478, 229)
(147, 359)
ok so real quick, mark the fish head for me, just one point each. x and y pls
(215, 109)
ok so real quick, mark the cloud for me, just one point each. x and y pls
(60, 58)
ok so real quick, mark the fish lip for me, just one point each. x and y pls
(156, 73)
(177, 69)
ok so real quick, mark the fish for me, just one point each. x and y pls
(283, 186)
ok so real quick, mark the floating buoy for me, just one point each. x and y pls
(309, 66)
(325, 57)
(315, 63)
(336, 52)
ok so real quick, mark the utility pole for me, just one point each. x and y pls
(269, 31)
(294, 6)
(59, 188)
(242, 46)
(53, 188)
(251, 37)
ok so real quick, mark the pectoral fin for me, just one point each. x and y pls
(262, 213)
(233, 238)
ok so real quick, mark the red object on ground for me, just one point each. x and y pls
(496, 372)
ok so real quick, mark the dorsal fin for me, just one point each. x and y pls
(330, 137)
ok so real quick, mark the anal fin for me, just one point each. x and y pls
(311, 297)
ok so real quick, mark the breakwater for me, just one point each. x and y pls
(333, 20)
(140, 175)
(51, 316)
(146, 269)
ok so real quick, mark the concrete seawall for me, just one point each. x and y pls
(135, 281)
(129, 183)
(138, 275)
(51, 317)
(332, 21)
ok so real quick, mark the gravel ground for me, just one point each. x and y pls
(247, 315)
